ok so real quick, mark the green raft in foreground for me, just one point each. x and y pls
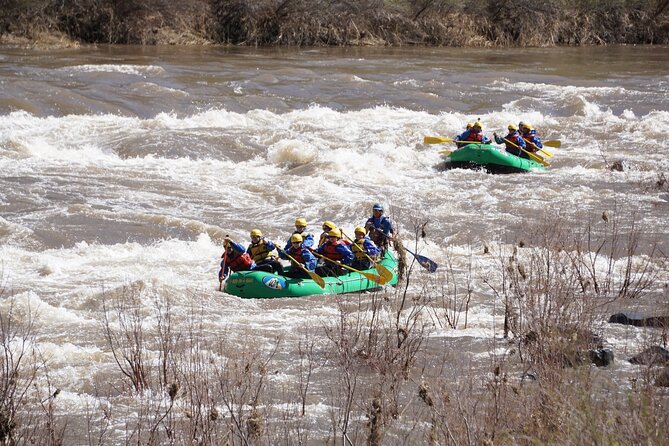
(259, 284)
(491, 158)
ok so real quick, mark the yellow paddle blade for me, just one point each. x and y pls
(538, 159)
(316, 278)
(436, 140)
(371, 277)
(384, 272)
(553, 143)
(546, 152)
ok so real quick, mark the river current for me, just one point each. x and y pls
(126, 167)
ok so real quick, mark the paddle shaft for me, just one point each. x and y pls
(539, 149)
(439, 140)
(318, 279)
(422, 260)
(221, 279)
(384, 272)
(532, 156)
(371, 277)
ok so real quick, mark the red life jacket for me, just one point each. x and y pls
(474, 136)
(330, 250)
(297, 254)
(513, 145)
(237, 261)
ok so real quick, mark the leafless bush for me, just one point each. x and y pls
(368, 22)
(375, 345)
(242, 380)
(19, 370)
(124, 331)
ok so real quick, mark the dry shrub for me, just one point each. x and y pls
(320, 22)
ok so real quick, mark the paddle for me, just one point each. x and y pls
(371, 277)
(436, 140)
(546, 152)
(533, 156)
(384, 272)
(222, 279)
(439, 140)
(553, 143)
(316, 278)
(423, 261)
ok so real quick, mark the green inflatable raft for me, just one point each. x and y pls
(263, 285)
(491, 158)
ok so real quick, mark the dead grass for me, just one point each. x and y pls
(325, 23)
(382, 365)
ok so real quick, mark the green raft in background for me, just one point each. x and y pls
(491, 158)
(260, 284)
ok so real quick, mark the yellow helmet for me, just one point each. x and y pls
(256, 233)
(478, 124)
(512, 127)
(301, 222)
(527, 125)
(296, 238)
(328, 224)
(360, 230)
(469, 125)
(334, 233)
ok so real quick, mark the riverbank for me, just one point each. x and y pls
(322, 23)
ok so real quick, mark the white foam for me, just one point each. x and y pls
(139, 70)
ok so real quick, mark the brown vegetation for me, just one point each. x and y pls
(340, 23)
(379, 367)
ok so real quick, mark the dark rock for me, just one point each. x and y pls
(654, 355)
(601, 357)
(530, 376)
(617, 166)
(637, 320)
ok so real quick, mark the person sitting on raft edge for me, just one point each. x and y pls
(260, 251)
(299, 253)
(473, 135)
(379, 227)
(512, 141)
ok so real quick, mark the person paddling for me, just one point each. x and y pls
(379, 228)
(235, 258)
(301, 229)
(300, 253)
(363, 249)
(327, 227)
(260, 251)
(530, 137)
(475, 134)
(513, 141)
(334, 249)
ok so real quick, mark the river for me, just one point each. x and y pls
(123, 167)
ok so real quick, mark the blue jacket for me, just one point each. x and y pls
(465, 136)
(343, 250)
(307, 240)
(532, 138)
(368, 246)
(363, 246)
(310, 260)
(382, 223)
